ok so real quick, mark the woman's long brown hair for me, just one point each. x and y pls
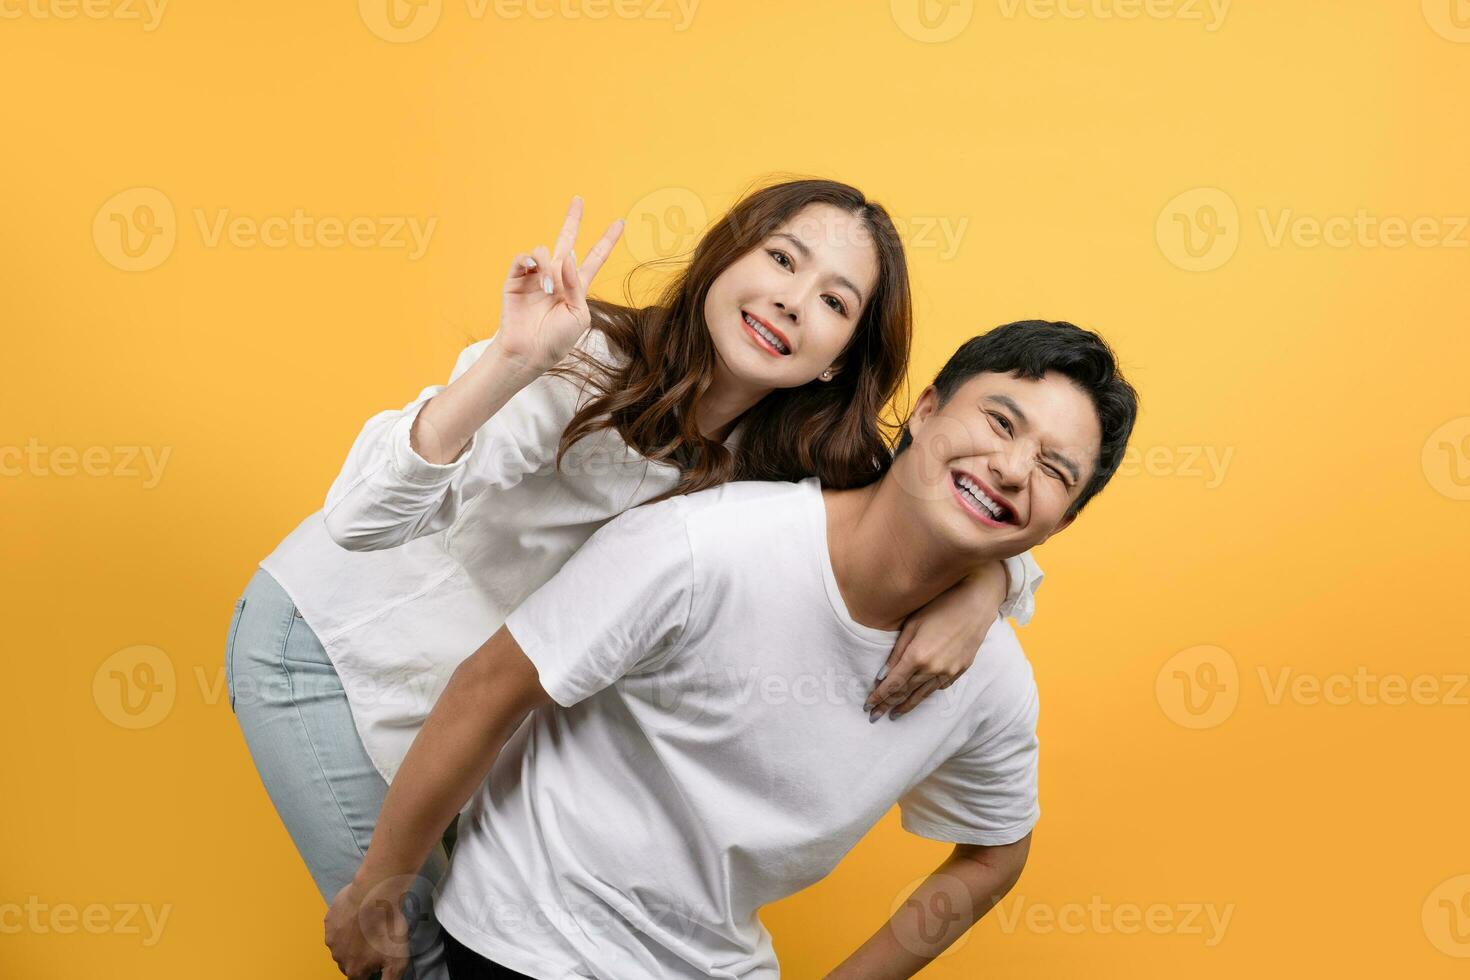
(836, 430)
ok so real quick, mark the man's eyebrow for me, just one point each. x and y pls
(1051, 454)
(806, 253)
(1010, 403)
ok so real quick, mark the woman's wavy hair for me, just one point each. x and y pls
(839, 430)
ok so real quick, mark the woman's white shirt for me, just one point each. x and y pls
(411, 565)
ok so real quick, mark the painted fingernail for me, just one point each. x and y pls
(883, 673)
(531, 265)
(867, 706)
(893, 715)
(873, 717)
(546, 285)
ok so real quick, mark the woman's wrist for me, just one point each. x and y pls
(510, 368)
(446, 423)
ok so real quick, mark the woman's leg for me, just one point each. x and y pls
(291, 706)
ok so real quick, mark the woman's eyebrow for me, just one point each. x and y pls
(806, 253)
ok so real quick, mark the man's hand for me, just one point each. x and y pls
(485, 701)
(367, 931)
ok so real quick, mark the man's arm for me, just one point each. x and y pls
(952, 899)
(487, 698)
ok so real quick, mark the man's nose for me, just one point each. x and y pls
(1010, 467)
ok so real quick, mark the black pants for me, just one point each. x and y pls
(466, 964)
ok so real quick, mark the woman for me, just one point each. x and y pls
(771, 356)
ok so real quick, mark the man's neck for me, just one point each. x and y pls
(885, 564)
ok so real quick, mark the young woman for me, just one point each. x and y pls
(772, 356)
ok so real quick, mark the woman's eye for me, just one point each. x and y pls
(836, 304)
(782, 259)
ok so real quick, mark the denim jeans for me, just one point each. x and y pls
(291, 706)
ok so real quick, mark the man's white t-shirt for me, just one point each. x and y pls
(711, 754)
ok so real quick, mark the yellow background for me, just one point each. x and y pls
(1334, 377)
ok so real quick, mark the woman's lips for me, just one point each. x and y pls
(766, 345)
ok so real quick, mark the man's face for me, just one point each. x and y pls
(995, 469)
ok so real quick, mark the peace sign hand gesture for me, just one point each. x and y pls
(543, 312)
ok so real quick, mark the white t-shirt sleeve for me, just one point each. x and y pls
(987, 792)
(1024, 578)
(618, 606)
(387, 494)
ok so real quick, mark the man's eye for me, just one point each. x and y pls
(1054, 473)
(1005, 422)
(836, 304)
(782, 259)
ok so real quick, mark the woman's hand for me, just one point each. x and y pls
(367, 931)
(543, 311)
(938, 643)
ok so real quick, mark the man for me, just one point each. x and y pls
(703, 663)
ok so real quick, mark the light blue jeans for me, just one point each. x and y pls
(290, 703)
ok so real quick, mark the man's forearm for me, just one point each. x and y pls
(940, 910)
(479, 710)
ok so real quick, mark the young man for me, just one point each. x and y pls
(703, 663)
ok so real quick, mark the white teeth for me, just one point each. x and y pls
(980, 496)
(771, 338)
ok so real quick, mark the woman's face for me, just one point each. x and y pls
(783, 312)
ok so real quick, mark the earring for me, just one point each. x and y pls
(827, 375)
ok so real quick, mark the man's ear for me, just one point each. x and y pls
(927, 404)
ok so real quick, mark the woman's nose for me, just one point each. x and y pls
(791, 311)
